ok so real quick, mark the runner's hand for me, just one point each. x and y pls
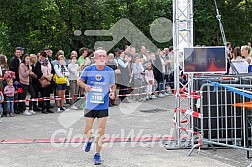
(112, 95)
(87, 88)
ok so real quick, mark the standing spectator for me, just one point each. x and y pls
(171, 67)
(136, 76)
(165, 63)
(83, 52)
(13, 66)
(43, 70)
(35, 81)
(158, 69)
(111, 63)
(53, 84)
(249, 45)
(3, 68)
(3, 64)
(124, 77)
(25, 72)
(117, 54)
(154, 69)
(229, 57)
(9, 91)
(245, 52)
(239, 62)
(54, 62)
(60, 78)
(132, 51)
(88, 61)
(49, 54)
(149, 78)
(127, 50)
(74, 71)
(1, 103)
(143, 53)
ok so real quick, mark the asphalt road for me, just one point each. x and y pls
(125, 121)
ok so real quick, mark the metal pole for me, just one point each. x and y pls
(176, 65)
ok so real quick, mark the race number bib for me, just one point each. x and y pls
(96, 95)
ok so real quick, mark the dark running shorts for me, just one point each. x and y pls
(95, 113)
(61, 86)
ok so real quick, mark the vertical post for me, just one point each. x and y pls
(176, 65)
(182, 37)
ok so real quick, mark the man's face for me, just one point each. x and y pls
(100, 59)
(49, 53)
(18, 53)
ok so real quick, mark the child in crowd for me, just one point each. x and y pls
(9, 91)
(149, 77)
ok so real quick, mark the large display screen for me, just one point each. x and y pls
(205, 60)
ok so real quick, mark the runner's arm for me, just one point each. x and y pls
(82, 84)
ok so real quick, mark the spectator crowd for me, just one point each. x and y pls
(143, 74)
(140, 75)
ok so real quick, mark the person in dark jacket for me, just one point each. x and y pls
(35, 82)
(43, 71)
(13, 66)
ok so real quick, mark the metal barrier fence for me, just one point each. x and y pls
(225, 107)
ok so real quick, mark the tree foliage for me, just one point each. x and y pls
(51, 23)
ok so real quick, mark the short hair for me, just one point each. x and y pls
(111, 54)
(99, 51)
(18, 48)
(46, 49)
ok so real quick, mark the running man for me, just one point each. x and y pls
(98, 80)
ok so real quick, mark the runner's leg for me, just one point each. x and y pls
(88, 127)
(101, 127)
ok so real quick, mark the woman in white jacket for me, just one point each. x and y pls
(61, 72)
(239, 62)
(74, 70)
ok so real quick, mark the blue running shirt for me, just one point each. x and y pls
(100, 81)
